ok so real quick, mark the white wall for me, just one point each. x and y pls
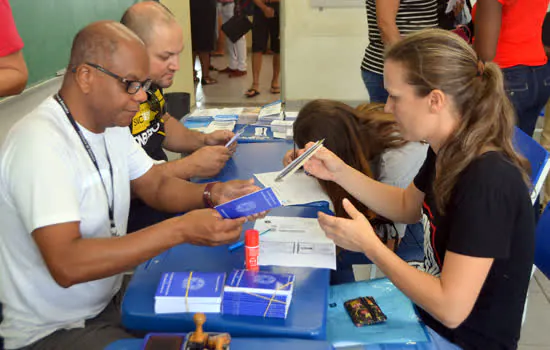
(183, 80)
(322, 52)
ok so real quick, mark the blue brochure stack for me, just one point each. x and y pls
(189, 292)
(261, 293)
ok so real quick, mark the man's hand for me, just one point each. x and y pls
(218, 138)
(208, 161)
(206, 227)
(225, 191)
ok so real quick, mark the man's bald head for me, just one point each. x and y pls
(144, 17)
(100, 41)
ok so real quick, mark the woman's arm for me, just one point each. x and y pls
(487, 28)
(394, 203)
(448, 298)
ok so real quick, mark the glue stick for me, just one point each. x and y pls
(252, 249)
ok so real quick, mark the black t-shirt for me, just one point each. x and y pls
(148, 124)
(489, 215)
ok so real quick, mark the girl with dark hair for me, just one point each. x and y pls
(368, 140)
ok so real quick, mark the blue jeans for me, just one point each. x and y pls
(529, 89)
(374, 83)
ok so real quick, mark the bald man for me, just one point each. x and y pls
(152, 127)
(66, 173)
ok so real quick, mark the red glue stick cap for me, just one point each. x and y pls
(251, 238)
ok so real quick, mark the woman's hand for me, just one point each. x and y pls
(324, 164)
(355, 234)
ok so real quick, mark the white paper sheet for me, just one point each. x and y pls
(295, 242)
(296, 189)
(271, 111)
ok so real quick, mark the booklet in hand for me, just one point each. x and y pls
(298, 162)
(250, 204)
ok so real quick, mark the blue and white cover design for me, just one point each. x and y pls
(259, 293)
(259, 282)
(250, 204)
(204, 287)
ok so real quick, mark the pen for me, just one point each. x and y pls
(241, 243)
(299, 161)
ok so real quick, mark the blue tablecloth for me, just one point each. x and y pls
(306, 317)
(307, 314)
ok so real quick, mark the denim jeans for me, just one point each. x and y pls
(529, 89)
(374, 83)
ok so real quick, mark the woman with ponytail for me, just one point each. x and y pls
(473, 192)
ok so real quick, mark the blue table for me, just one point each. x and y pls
(242, 344)
(253, 158)
(307, 315)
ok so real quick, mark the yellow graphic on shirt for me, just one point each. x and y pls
(142, 120)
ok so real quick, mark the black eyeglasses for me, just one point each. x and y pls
(132, 86)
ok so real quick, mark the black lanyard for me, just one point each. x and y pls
(111, 204)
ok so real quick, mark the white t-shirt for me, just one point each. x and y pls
(46, 178)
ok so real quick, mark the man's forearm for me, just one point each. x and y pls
(175, 195)
(180, 139)
(96, 258)
(182, 168)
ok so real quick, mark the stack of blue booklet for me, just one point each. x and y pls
(261, 293)
(189, 292)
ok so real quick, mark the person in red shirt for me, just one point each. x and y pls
(509, 32)
(13, 70)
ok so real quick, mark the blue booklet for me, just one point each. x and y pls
(258, 293)
(250, 204)
(203, 288)
(261, 282)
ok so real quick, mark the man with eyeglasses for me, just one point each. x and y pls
(153, 128)
(66, 173)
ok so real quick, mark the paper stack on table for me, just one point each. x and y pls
(291, 116)
(295, 242)
(189, 292)
(282, 129)
(271, 112)
(249, 115)
(258, 293)
(296, 189)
